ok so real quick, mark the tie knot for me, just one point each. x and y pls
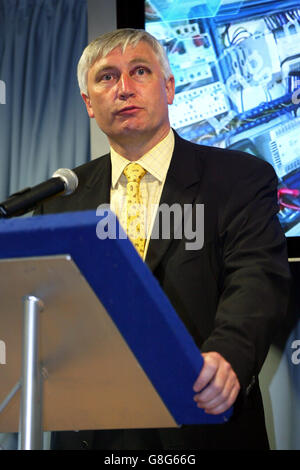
(134, 172)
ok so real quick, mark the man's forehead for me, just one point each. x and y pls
(141, 52)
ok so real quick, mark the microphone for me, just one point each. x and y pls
(63, 182)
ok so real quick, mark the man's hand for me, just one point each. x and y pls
(217, 386)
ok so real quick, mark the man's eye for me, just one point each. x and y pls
(106, 77)
(140, 71)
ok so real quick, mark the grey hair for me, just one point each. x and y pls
(105, 43)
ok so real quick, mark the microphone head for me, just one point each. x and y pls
(70, 179)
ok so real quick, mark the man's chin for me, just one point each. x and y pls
(136, 133)
(131, 130)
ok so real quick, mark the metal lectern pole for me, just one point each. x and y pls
(31, 429)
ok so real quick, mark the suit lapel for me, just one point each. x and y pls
(181, 187)
(96, 188)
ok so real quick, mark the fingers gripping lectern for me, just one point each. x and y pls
(91, 340)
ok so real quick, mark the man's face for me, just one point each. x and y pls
(128, 94)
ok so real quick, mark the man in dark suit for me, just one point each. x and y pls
(231, 292)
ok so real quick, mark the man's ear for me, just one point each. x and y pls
(88, 105)
(170, 89)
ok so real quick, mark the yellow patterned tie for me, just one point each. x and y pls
(135, 210)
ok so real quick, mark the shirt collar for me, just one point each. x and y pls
(156, 161)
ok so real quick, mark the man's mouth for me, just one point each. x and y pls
(128, 110)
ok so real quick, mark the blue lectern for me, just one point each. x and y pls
(102, 346)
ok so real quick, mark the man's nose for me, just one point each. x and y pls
(126, 87)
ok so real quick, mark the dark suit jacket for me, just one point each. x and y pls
(231, 293)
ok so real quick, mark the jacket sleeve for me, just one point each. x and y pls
(256, 275)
